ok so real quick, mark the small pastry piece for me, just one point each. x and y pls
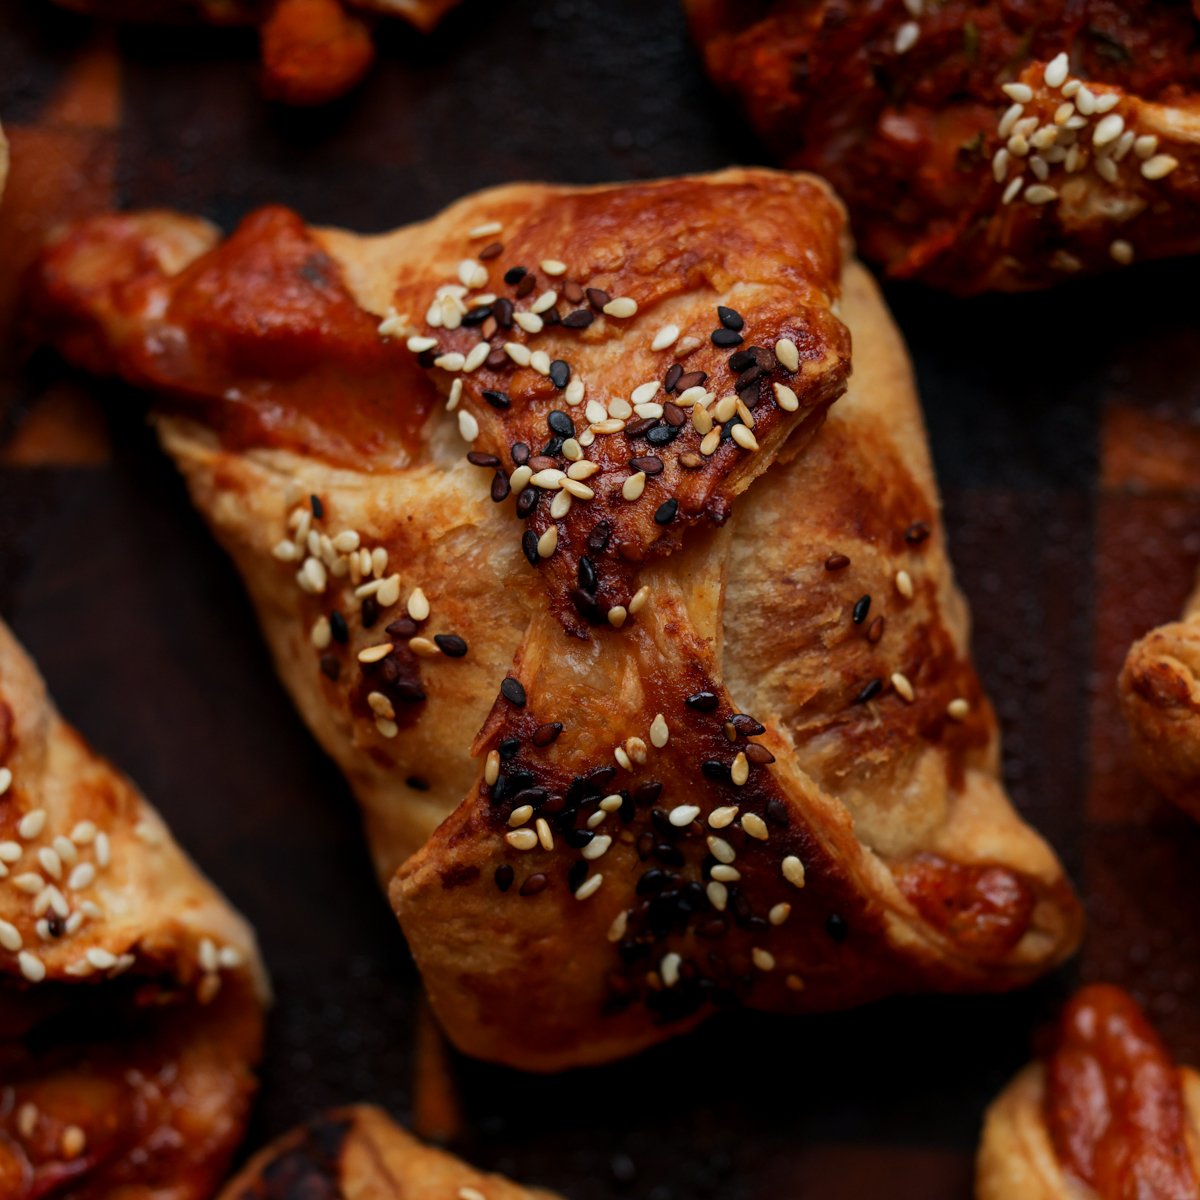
(358, 1153)
(313, 50)
(652, 682)
(1107, 1115)
(1160, 696)
(131, 994)
(979, 146)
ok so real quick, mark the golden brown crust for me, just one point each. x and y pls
(1160, 697)
(870, 751)
(360, 1153)
(902, 107)
(131, 995)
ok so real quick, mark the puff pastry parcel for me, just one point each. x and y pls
(1107, 1115)
(358, 1153)
(1160, 697)
(313, 50)
(131, 994)
(652, 681)
(979, 146)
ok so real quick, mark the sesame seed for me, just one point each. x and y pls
(531, 323)
(476, 357)
(636, 749)
(719, 818)
(50, 861)
(101, 850)
(548, 542)
(27, 1116)
(418, 345)
(102, 959)
(467, 425)
(724, 874)
(521, 839)
(904, 584)
(659, 733)
(10, 936)
(721, 850)
(1039, 193)
(617, 615)
(1121, 251)
(794, 983)
(491, 767)
(31, 883)
(588, 887)
(81, 877)
(787, 354)
(388, 592)
(665, 513)
(633, 487)
(32, 824)
(543, 302)
(574, 392)
(616, 931)
(683, 815)
(958, 709)
(1055, 74)
(552, 266)
(453, 361)
(668, 969)
(622, 758)
(1021, 92)
(597, 847)
(487, 229)
(793, 871)
(906, 37)
(543, 833)
(779, 913)
(764, 960)
(6, 778)
(374, 654)
(644, 393)
(1159, 166)
(744, 437)
(1014, 187)
(424, 647)
(520, 478)
(621, 306)
(418, 605)
(739, 772)
(1146, 145)
(903, 687)
(1108, 129)
(521, 355)
(718, 895)
(639, 598)
(10, 852)
(755, 826)
(31, 966)
(1010, 118)
(665, 337)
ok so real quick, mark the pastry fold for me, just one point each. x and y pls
(1105, 1116)
(979, 147)
(1160, 697)
(131, 994)
(360, 1153)
(700, 727)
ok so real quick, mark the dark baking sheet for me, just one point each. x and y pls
(1065, 432)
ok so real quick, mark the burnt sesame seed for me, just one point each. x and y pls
(491, 250)
(338, 629)
(560, 373)
(502, 310)
(673, 376)
(869, 692)
(331, 666)
(741, 360)
(759, 754)
(527, 502)
(552, 316)
(746, 725)
(862, 606)
(368, 612)
(651, 464)
(450, 644)
(726, 338)
(401, 628)
(875, 630)
(534, 884)
(560, 423)
(525, 287)
(514, 275)
(673, 414)
(597, 298)
(837, 562)
(503, 877)
(478, 459)
(837, 928)
(500, 487)
(519, 453)
(512, 691)
(477, 315)
(598, 539)
(690, 380)
(586, 574)
(499, 400)
(750, 376)
(665, 513)
(542, 462)
(702, 701)
(529, 543)
(643, 425)
(579, 318)
(916, 533)
(544, 735)
(730, 317)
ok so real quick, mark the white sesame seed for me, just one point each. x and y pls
(718, 895)
(487, 229)
(779, 913)
(376, 653)
(719, 818)
(73, 1142)
(561, 504)
(286, 551)
(529, 321)
(551, 477)
(595, 411)
(726, 407)
(1159, 166)
(467, 425)
(1123, 145)
(999, 168)
(904, 584)
(520, 354)
(389, 591)
(622, 306)
(606, 427)
(450, 362)
(639, 598)
(491, 767)
(683, 815)
(10, 852)
(424, 647)
(1107, 101)
(1085, 101)
(659, 733)
(1108, 129)
(476, 356)
(739, 772)
(906, 37)
(787, 354)
(543, 833)
(50, 862)
(786, 398)
(553, 266)
(1055, 74)
(650, 411)
(622, 758)
(520, 478)
(418, 345)
(744, 437)
(6, 778)
(588, 887)
(1014, 186)
(633, 487)
(793, 871)
(101, 850)
(31, 966)
(958, 709)
(1021, 92)
(101, 959)
(580, 491)
(721, 850)
(644, 393)
(636, 749)
(755, 826)
(903, 687)
(574, 392)
(10, 936)
(1145, 146)
(472, 274)
(617, 615)
(418, 605)
(597, 847)
(1018, 145)
(1121, 251)
(548, 542)
(616, 931)
(665, 337)
(582, 469)
(81, 877)
(32, 823)
(668, 969)
(1011, 115)
(702, 420)
(725, 874)
(31, 883)
(764, 960)
(521, 839)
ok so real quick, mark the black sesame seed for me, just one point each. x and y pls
(512, 691)
(527, 502)
(529, 544)
(578, 838)
(862, 606)
(916, 533)
(741, 360)
(499, 400)
(837, 562)
(477, 315)
(726, 338)
(502, 310)
(581, 318)
(318, 509)
(577, 874)
(533, 885)
(543, 735)
(519, 453)
(402, 627)
(560, 373)
(702, 701)
(552, 316)
(587, 606)
(646, 793)
(514, 275)
(870, 691)
(560, 423)
(665, 513)
(368, 612)
(759, 754)
(331, 666)
(746, 725)
(55, 926)
(500, 487)
(450, 644)
(509, 746)
(730, 318)
(673, 376)
(586, 574)
(504, 877)
(478, 459)
(777, 813)
(714, 768)
(598, 539)
(669, 855)
(338, 627)
(525, 286)
(662, 435)
(837, 928)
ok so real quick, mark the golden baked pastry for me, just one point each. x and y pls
(698, 727)
(358, 1153)
(979, 146)
(1160, 697)
(1106, 1115)
(313, 50)
(131, 994)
